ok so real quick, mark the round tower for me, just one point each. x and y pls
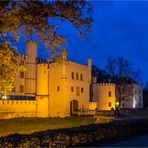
(104, 95)
(31, 68)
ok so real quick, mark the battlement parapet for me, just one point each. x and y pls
(32, 42)
(43, 65)
(17, 102)
(67, 63)
(21, 56)
(105, 84)
(40, 61)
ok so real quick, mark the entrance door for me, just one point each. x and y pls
(74, 107)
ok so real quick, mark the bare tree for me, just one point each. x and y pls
(123, 73)
(24, 18)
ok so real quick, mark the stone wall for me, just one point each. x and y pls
(17, 108)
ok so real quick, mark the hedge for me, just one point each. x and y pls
(78, 136)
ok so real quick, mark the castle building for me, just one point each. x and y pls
(45, 89)
(61, 88)
(132, 96)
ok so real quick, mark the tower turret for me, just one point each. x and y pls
(31, 66)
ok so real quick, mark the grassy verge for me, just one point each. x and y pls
(30, 125)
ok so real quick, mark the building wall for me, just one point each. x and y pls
(31, 68)
(17, 108)
(42, 106)
(101, 95)
(57, 100)
(81, 88)
(60, 78)
(19, 81)
(133, 96)
(42, 79)
(92, 105)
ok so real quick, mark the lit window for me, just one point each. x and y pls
(82, 90)
(21, 88)
(72, 75)
(109, 94)
(78, 91)
(58, 88)
(81, 77)
(77, 76)
(109, 104)
(21, 74)
(72, 89)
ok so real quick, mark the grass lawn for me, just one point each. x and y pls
(30, 125)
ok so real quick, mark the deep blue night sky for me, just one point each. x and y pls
(119, 29)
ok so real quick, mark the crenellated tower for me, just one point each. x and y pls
(31, 68)
(104, 95)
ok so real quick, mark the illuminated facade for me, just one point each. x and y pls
(104, 95)
(56, 89)
(132, 96)
(61, 88)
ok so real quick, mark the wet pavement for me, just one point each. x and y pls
(137, 141)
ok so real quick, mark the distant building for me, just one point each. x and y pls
(132, 96)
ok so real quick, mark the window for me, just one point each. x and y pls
(77, 76)
(82, 90)
(22, 62)
(123, 98)
(58, 88)
(77, 91)
(72, 89)
(13, 89)
(72, 75)
(21, 74)
(123, 105)
(21, 88)
(109, 104)
(81, 77)
(109, 94)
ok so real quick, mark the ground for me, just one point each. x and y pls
(135, 141)
(30, 125)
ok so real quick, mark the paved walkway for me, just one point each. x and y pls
(138, 141)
